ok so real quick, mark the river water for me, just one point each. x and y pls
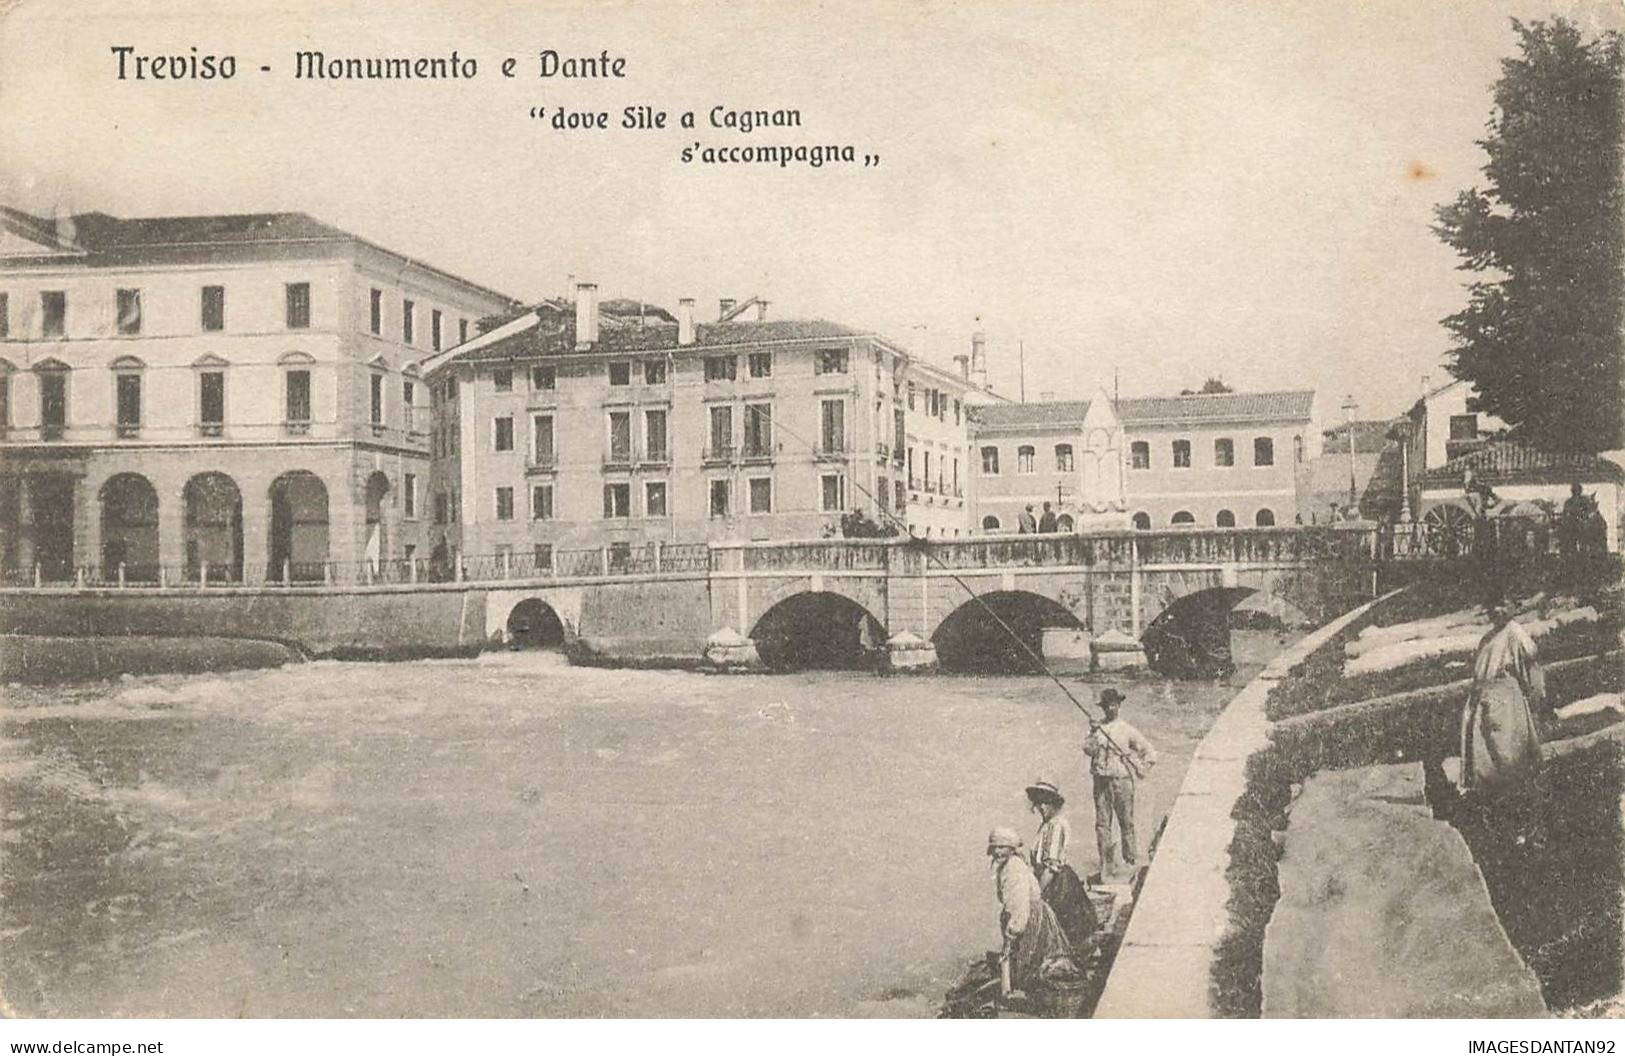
(512, 836)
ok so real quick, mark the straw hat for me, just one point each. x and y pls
(1110, 695)
(1044, 792)
(1003, 837)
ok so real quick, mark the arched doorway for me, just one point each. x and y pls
(299, 528)
(376, 550)
(990, 523)
(1142, 522)
(130, 528)
(1225, 519)
(214, 527)
(1191, 638)
(817, 630)
(1064, 523)
(533, 624)
(974, 636)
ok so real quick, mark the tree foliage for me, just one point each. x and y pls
(1209, 387)
(1540, 337)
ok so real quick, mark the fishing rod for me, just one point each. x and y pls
(925, 549)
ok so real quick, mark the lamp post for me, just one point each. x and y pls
(1349, 407)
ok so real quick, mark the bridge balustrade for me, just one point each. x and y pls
(834, 556)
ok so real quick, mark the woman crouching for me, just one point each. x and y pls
(1031, 933)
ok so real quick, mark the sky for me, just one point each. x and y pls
(1141, 194)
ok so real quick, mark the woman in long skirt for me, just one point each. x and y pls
(1032, 936)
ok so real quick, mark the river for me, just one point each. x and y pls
(512, 836)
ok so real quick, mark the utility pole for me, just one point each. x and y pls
(1021, 358)
(1349, 407)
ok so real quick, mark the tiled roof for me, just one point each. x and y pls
(99, 231)
(1519, 462)
(1370, 437)
(1217, 407)
(1156, 410)
(622, 334)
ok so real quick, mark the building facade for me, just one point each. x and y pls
(1210, 460)
(228, 396)
(581, 425)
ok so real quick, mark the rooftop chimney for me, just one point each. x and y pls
(761, 310)
(978, 358)
(963, 363)
(685, 320)
(586, 314)
(725, 306)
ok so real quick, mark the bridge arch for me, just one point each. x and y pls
(1191, 637)
(817, 629)
(534, 624)
(973, 637)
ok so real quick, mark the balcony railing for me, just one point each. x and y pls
(542, 463)
(756, 452)
(618, 458)
(296, 428)
(718, 453)
(832, 449)
(52, 432)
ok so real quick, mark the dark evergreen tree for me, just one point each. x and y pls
(1540, 338)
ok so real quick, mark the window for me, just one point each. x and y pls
(1297, 448)
(1140, 454)
(913, 482)
(502, 379)
(409, 313)
(53, 306)
(956, 412)
(213, 308)
(543, 379)
(758, 430)
(719, 498)
(1224, 452)
(542, 439)
(211, 399)
(1182, 517)
(654, 372)
(129, 311)
(297, 384)
(1265, 519)
(1182, 454)
(620, 436)
(1263, 452)
(832, 492)
(5, 401)
(462, 336)
(5, 315)
(1225, 519)
(441, 505)
(502, 433)
(409, 496)
(375, 312)
(53, 403)
(761, 364)
(654, 435)
(900, 497)
(620, 373)
(990, 523)
(832, 361)
(899, 434)
(1142, 522)
(297, 295)
(721, 368)
(1024, 459)
(408, 392)
(654, 498)
(761, 495)
(882, 494)
(543, 553)
(722, 431)
(956, 474)
(377, 399)
(1464, 427)
(129, 402)
(504, 504)
(434, 329)
(990, 461)
(1063, 458)
(911, 395)
(541, 502)
(832, 434)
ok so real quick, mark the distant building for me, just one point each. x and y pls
(1371, 481)
(235, 394)
(1210, 460)
(585, 425)
(1528, 482)
(1436, 429)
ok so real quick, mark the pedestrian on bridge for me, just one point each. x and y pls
(1119, 755)
(1048, 523)
(1025, 523)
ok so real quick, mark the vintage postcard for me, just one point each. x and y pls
(639, 510)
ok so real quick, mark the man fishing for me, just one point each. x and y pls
(1119, 755)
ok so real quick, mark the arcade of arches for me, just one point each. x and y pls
(245, 523)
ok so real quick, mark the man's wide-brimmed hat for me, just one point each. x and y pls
(1110, 695)
(1003, 837)
(1044, 792)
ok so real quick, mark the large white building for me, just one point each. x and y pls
(229, 394)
